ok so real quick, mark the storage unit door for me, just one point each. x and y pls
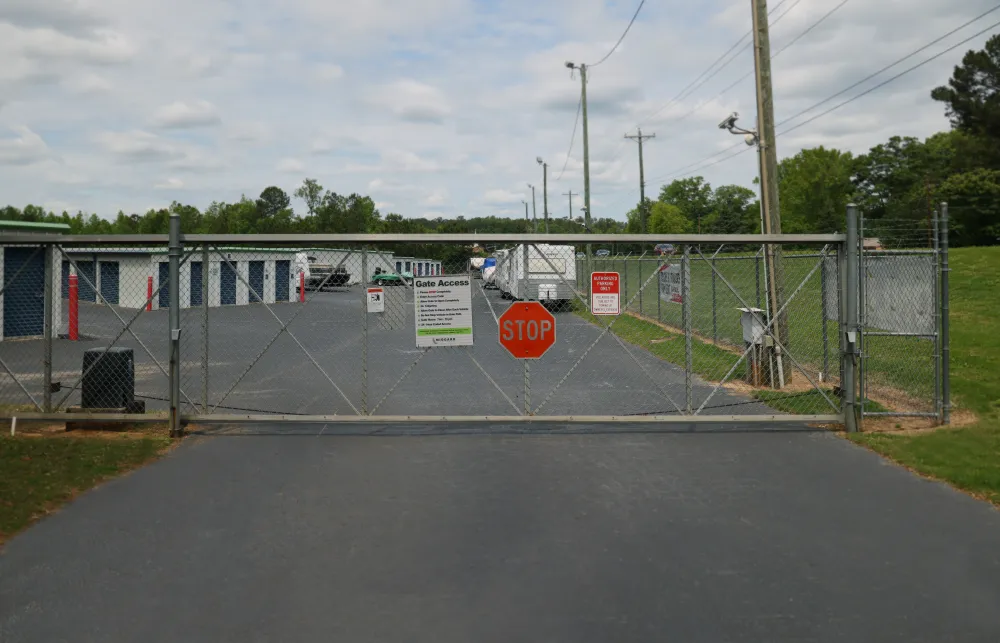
(109, 281)
(227, 283)
(23, 299)
(164, 284)
(86, 290)
(256, 279)
(196, 283)
(282, 274)
(65, 279)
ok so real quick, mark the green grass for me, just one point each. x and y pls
(968, 457)
(41, 473)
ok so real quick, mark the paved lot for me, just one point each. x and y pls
(284, 378)
(594, 537)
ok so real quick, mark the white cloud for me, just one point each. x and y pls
(290, 166)
(329, 72)
(180, 115)
(501, 197)
(170, 184)
(438, 106)
(24, 149)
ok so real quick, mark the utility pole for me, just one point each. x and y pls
(769, 177)
(534, 207)
(570, 195)
(545, 192)
(586, 157)
(643, 214)
(527, 221)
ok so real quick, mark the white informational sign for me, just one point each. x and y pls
(670, 283)
(605, 293)
(376, 300)
(443, 310)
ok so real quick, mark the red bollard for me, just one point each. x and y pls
(149, 294)
(302, 287)
(74, 308)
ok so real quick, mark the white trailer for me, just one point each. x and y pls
(548, 276)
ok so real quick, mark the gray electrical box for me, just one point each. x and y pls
(752, 320)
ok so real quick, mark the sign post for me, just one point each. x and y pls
(443, 310)
(605, 293)
(527, 330)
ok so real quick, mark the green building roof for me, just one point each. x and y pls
(34, 225)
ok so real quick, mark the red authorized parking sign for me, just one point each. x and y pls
(605, 293)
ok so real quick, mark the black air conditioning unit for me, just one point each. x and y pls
(110, 384)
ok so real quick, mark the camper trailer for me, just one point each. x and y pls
(547, 277)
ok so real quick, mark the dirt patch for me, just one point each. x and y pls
(913, 426)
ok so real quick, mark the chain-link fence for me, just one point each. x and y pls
(901, 338)
(381, 327)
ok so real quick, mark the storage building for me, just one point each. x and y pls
(22, 301)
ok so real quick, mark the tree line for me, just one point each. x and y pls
(897, 184)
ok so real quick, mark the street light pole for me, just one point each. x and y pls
(586, 156)
(527, 221)
(534, 207)
(545, 192)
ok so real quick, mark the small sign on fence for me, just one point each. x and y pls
(376, 300)
(670, 283)
(605, 293)
(443, 311)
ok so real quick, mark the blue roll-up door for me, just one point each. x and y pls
(86, 285)
(164, 284)
(256, 279)
(109, 281)
(196, 283)
(23, 300)
(227, 283)
(282, 275)
(65, 279)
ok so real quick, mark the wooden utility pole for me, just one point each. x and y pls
(643, 214)
(570, 195)
(769, 181)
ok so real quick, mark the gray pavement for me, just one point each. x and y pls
(600, 536)
(253, 367)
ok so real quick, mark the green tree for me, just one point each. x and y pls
(735, 210)
(973, 206)
(271, 202)
(312, 193)
(693, 196)
(666, 218)
(972, 96)
(815, 187)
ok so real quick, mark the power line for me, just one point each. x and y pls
(809, 28)
(885, 82)
(625, 33)
(891, 65)
(572, 138)
(708, 74)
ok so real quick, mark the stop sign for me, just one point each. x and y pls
(527, 330)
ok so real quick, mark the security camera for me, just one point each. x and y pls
(569, 65)
(539, 159)
(729, 122)
(751, 139)
(583, 208)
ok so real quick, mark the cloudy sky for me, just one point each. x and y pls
(432, 107)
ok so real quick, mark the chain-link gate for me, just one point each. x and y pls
(903, 339)
(357, 328)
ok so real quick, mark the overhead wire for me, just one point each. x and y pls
(572, 138)
(625, 33)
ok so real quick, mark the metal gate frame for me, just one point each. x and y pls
(182, 247)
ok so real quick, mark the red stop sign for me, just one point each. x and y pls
(527, 330)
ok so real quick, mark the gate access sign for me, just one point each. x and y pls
(443, 311)
(605, 293)
(527, 330)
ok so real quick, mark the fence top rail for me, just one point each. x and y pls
(323, 239)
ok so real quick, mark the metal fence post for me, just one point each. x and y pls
(757, 271)
(204, 328)
(848, 388)
(625, 280)
(364, 331)
(175, 251)
(715, 323)
(659, 297)
(50, 312)
(686, 314)
(862, 314)
(945, 322)
(938, 406)
(822, 313)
